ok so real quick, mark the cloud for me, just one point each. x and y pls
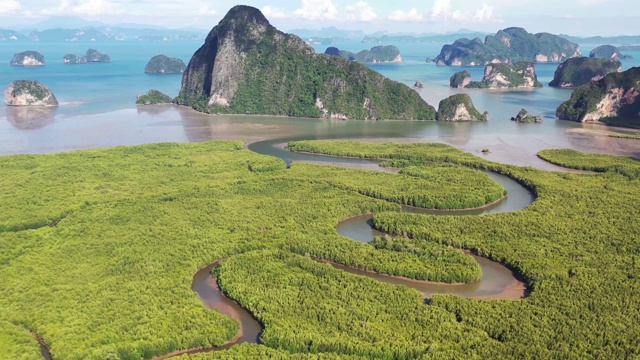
(317, 10)
(361, 11)
(442, 10)
(9, 7)
(404, 16)
(83, 7)
(274, 13)
(206, 10)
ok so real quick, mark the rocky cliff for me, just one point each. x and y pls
(608, 52)
(162, 64)
(248, 66)
(521, 75)
(579, 71)
(28, 58)
(510, 45)
(376, 55)
(459, 107)
(614, 99)
(29, 93)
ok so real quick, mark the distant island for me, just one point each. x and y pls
(101, 33)
(521, 75)
(459, 107)
(608, 52)
(613, 100)
(162, 64)
(247, 66)
(377, 55)
(579, 71)
(29, 93)
(433, 38)
(92, 55)
(28, 58)
(510, 45)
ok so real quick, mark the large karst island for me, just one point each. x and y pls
(579, 71)
(247, 66)
(376, 55)
(608, 52)
(28, 58)
(29, 93)
(510, 45)
(612, 100)
(521, 75)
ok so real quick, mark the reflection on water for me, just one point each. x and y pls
(30, 117)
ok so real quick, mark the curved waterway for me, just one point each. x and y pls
(206, 286)
(497, 281)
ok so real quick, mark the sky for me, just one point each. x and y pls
(573, 17)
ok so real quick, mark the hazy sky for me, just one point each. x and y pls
(575, 17)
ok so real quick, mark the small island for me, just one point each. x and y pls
(29, 93)
(95, 56)
(612, 100)
(608, 52)
(28, 58)
(153, 97)
(377, 55)
(510, 45)
(521, 75)
(162, 64)
(524, 117)
(579, 71)
(91, 56)
(459, 107)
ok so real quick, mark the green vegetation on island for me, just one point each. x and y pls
(459, 107)
(28, 58)
(153, 97)
(612, 100)
(29, 93)
(510, 45)
(521, 75)
(104, 260)
(579, 71)
(162, 64)
(247, 66)
(377, 54)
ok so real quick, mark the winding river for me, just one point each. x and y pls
(497, 281)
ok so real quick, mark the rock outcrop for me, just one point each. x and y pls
(500, 76)
(460, 80)
(510, 45)
(376, 55)
(247, 66)
(524, 117)
(28, 58)
(459, 107)
(153, 97)
(29, 93)
(608, 52)
(579, 71)
(162, 64)
(614, 99)
(418, 84)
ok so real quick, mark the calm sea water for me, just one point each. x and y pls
(98, 106)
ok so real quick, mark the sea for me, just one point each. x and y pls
(97, 106)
